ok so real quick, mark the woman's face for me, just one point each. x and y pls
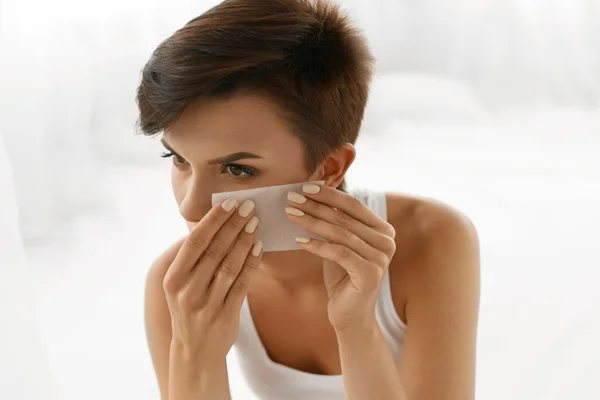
(220, 146)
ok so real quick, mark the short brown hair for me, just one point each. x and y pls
(304, 55)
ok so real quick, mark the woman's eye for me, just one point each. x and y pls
(176, 158)
(237, 170)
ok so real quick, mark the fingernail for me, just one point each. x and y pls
(311, 189)
(246, 208)
(229, 204)
(302, 239)
(296, 197)
(294, 211)
(251, 225)
(258, 246)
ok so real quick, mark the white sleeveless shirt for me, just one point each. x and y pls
(273, 381)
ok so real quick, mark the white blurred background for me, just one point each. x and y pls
(490, 105)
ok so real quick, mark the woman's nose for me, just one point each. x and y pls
(196, 203)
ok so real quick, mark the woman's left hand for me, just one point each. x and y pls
(357, 249)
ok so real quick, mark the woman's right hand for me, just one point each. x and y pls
(208, 280)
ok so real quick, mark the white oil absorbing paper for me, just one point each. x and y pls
(275, 229)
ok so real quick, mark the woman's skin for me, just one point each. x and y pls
(309, 322)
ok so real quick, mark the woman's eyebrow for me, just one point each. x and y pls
(164, 143)
(240, 155)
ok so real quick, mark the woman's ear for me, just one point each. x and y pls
(334, 168)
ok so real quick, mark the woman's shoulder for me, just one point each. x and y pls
(433, 240)
(425, 226)
(423, 219)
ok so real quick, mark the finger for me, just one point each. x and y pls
(197, 241)
(239, 289)
(229, 269)
(372, 237)
(338, 235)
(364, 275)
(202, 278)
(220, 245)
(348, 204)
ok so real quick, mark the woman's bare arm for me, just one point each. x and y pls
(158, 318)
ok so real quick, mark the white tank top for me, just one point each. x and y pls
(273, 381)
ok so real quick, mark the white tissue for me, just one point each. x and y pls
(275, 229)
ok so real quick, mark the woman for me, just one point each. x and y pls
(257, 93)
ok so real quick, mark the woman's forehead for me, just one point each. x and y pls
(241, 116)
(242, 123)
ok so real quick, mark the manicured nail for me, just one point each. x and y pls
(302, 239)
(258, 246)
(251, 225)
(296, 198)
(246, 208)
(311, 189)
(229, 204)
(294, 211)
